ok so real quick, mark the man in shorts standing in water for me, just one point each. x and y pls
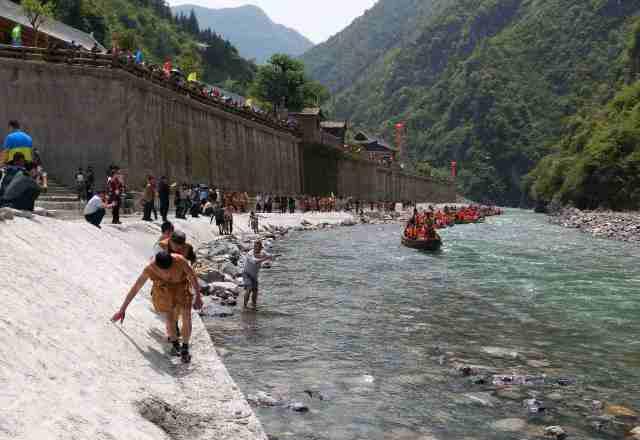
(172, 278)
(252, 263)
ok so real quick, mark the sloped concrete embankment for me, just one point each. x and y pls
(67, 372)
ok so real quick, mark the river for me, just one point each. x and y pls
(376, 329)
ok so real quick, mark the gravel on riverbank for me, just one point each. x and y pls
(621, 226)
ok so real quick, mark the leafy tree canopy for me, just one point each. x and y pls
(282, 82)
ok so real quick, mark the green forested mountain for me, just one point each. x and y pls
(250, 29)
(150, 26)
(597, 161)
(488, 83)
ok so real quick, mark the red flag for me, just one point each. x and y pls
(167, 68)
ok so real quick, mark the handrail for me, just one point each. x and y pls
(93, 59)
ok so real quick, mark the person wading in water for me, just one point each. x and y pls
(253, 262)
(172, 276)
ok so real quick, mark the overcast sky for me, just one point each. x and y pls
(315, 19)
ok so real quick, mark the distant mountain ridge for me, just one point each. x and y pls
(250, 29)
(486, 83)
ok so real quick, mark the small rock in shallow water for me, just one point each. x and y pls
(298, 407)
(534, 406)
(538, 364)
(620, 411)
(212, 276)
(555, 432)
(509, 425)
(501, 352)
(635, 433)
(230, 269)
(484, 399)
(565, 381)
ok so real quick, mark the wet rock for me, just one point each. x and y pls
(555, 432)
(214, 310)
(534, 406)
(298, 407)
(230, 269)
(533, 363)
(263, 399)
(223, 248)
(484, 399)
(501, 352)
(221, 287)
(597, 405)
(620, 411)
(601, 423)
(518, 379)
(510, 394)
(315, 395)
(634, 434)
(509, 425)
(565, 381)
(466, 370)
(212, 276)
(229, 302)
(555, 396)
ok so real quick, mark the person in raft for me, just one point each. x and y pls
(252, 263)
(172, 277)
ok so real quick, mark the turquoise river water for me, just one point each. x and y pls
(376, 330)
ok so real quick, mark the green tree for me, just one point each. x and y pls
(314, 93)
(190, 61)
(281, 82)
(37, 14)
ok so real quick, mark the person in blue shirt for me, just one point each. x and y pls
(17, 142)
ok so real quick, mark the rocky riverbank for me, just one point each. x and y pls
(622, 226)
(219, 265)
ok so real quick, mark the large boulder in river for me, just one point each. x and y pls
(223, 248)
(231, 270)
(212, 276)
(221, 287)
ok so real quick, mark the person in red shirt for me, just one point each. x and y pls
(115, 189)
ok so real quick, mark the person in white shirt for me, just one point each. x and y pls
(94, 210)
(252, 263)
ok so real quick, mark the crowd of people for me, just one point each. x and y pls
(171, 76)
(423, 224)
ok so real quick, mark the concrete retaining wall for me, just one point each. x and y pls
(326, 170)
(80, 116)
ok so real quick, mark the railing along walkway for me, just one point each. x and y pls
(91, 59)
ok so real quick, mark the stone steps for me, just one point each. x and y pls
(60, 201)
